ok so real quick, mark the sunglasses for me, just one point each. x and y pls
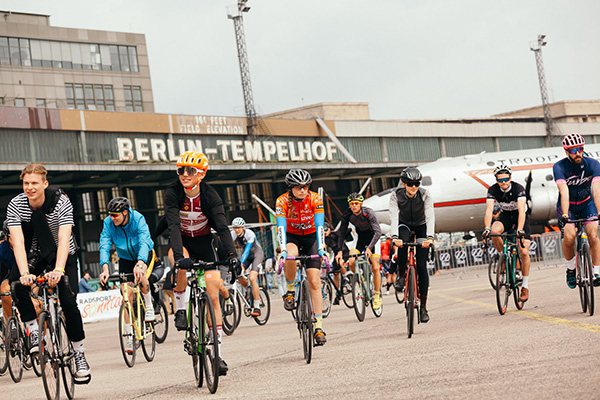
(189, 170)
(114, 214)
(417, 184)
(355, 203)
(575, 150)
(503, 180)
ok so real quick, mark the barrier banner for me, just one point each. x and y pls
(99, 306)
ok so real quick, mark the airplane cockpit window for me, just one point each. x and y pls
(384, 192)
(491, 163)
(549, 178)
(426, 181)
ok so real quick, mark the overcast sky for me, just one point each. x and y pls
(409, 59)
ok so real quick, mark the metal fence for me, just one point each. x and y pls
(545, 249)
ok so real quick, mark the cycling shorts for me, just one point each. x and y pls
(308, 246)
(363, 241)
(581, 211)
(510, 220)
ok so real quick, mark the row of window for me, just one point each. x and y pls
(101, 97)
(68, 55)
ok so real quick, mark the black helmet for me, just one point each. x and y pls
(411, 174)
(355, 197)
(297, 177)
(118, 204)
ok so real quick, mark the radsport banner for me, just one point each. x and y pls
(99, 306)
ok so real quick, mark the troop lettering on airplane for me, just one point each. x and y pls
(143, 149)
(550, 158)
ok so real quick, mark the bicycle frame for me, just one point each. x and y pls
(140, 332)
(584, 273)
(411, 264)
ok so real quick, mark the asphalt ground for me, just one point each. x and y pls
(548, 350)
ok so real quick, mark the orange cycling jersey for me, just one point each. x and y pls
(300, 215)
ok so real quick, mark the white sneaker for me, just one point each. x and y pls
(387, 292)
(149, 316)
(129, 346)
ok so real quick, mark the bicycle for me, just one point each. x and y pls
(304, 313)
(506, 281)
(16, 345)
(326, 292)
(161, 320)
(244, 302)
(345, 286)
(363, 288)
(56, 353)
(584, 266)
(201, 337)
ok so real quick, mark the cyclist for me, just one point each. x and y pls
(369, 233)
(7, 263)
(252, 257)
(332, 242)
(128, 231)
(578, 181)
(411, 209)
(192, 208)
(40, 221)
(300, 219)
(512, 200)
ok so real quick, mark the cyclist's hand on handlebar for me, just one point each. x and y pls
(27, 280)
(185, 263)
(323, 254)
(563, 220)
(103, 276)
(368, 252)
(486, 234)
(521, 234)
(282, 256)
(397, 242)
(53, 277)
(138, 271)
(426, 243)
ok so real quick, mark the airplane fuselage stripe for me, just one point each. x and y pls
(460, 202)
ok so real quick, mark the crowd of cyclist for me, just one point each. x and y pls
(39, 239)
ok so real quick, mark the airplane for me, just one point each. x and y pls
(459, 187)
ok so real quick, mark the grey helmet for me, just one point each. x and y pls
(118, 204)
(502, 169)
(297, 177)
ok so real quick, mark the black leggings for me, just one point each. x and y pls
(67, 298)
(420, 233)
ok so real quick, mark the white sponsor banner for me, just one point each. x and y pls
(99, 306)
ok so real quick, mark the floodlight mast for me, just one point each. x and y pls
(537, 50)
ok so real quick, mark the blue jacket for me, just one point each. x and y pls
(132, 241)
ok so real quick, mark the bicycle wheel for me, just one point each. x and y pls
(230, 319)
(193, 333)
(265, 307)
(128, 355)
(209, 343)
(502, 289)
(379, 311)
(49, 358)
(14, 349)
(589, 281)
(326, 290)
(68, 361)
(346, 288)
(580, 282)
(161, 322)
(35, 364)
(3, 358)
(307, 324)
(358, 296)
(149, 338)
(239, 303)
(410, 303)
(492, 268)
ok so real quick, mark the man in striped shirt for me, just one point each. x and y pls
(40, 221)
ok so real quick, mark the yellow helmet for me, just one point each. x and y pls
(193, 159)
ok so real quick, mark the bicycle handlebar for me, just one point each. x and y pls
(203, 265)
(505, 236)
(576, 221)
(302, 258)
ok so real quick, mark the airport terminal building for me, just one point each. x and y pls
(81, 103)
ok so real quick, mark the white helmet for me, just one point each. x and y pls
(238, 222)
(502, 169)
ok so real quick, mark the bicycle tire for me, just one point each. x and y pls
(587, 263)
(492, 269)
(14, 349)
(517, 288)
(326, 290)
(193, 334)
(346, 289)
(148, 342)
(161, 322)
(35, 364)
(209, 343)
(229, 320)
(410, 302)
(239, 303)
(265, 307)
(379, 311)
(3, 357)
(68, 360)
(502, 289)
(306, 323)
(129, 358)
(359, 296)
(49, 358)
(580, 282)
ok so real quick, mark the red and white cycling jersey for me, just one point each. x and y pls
(193, 221)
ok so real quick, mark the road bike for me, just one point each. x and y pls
(411, 288)
(304, 312)
(506, 278)
(134, 330)
(363, 288)
(344, 287)
(244, 302)
(16, 344)
(584, 266)
(201, 336)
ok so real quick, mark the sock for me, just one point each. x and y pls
(376, 294)
(78, 346)
(256, 303)
(179, 300)
(571, 263)
(319, 322)
(32, 326)
(220, 337)
(291, 286)
(128, 329)
(525, 282)
(596, 269)
(147, 299)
